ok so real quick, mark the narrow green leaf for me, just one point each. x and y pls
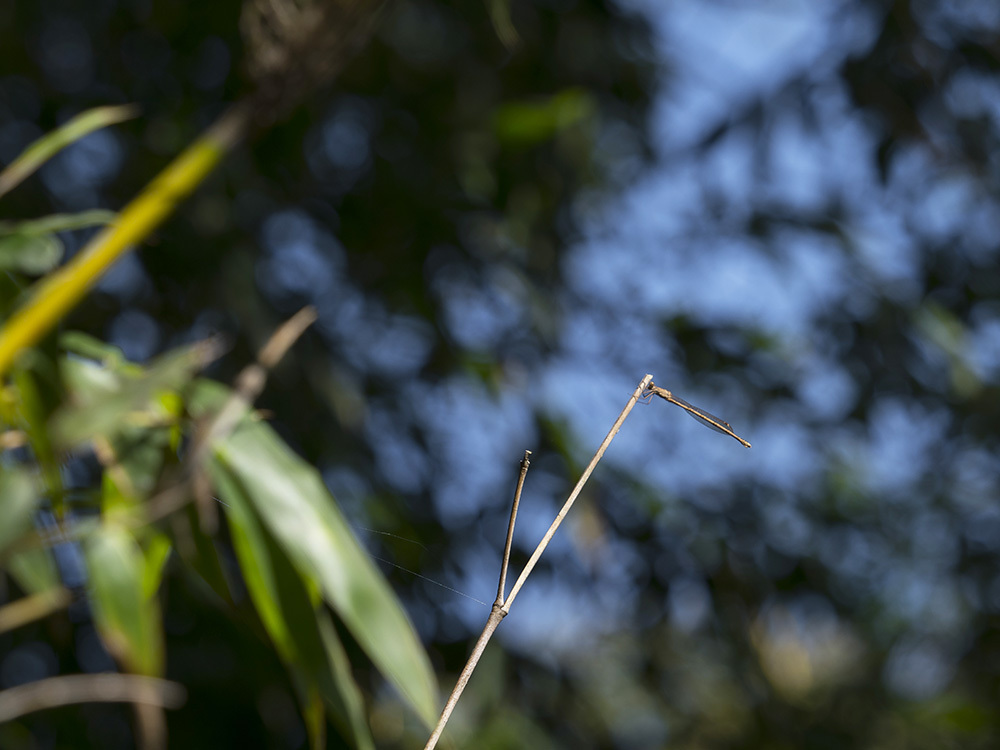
(34, 570)
(89, 347)
(525, 123)
(295, 506)
(292, 618)
(58, 222)
(157, 552)
(314, 714)
(18, 498)
(254, 557)
(201, 558)
(31, 254)
(353, 706)
(140, 453)
(32, 247)
(33, 406)
(127, 619)
(52, 143)
(13, 289)
(502, 25)
(104, 400)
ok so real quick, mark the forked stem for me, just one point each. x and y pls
(502, 606)
(533, 560)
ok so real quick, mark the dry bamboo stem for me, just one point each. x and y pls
(89, 688)
(525, 463)
(575, 493)
(501, 607)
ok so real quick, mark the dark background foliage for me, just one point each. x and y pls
(788, 214)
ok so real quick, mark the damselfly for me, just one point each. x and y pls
(709, 420)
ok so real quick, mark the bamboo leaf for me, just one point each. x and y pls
(88, 347)
(127, 619)
(526, 123)
(34, 405)
(18, 499)
(32, 246)
(58, 222)
(295, 506)
(52, 143)
(293, 619)
(202, 558)
(353, 705)
(31, 254)
(502, 24)
(156, 554)
(104, 399)
(34, 570)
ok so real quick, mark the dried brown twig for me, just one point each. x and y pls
(503, 603)
(247, 387)
(89, 688)
(33, 607)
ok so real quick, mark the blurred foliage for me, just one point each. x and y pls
(297, 553)
(501, 233)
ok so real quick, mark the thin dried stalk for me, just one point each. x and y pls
(248, 386)
(525, 463)
(501, 608)
(33, 607)
(89, 688)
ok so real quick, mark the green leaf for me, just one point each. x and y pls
(77, 342)
(127, 619)
(346, 703)
(292, 618)
(52, 143)
(156, 553)
(32, 247)
(256, 563)
(529, 123)
(140, 453)
(105, 399)
(34, 570)
(202, 558)
(295, 506)
(502, 25)
(58, 222)
(30, 253)
(35, 395)
(13, 290)
(18, 498)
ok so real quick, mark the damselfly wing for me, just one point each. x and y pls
(709, 420)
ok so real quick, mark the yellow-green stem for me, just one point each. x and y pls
(62, 290)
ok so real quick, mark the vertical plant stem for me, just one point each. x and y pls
(525, 463)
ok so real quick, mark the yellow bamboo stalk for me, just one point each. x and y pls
(58, 293)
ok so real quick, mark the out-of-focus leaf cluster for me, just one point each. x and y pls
(79, 404)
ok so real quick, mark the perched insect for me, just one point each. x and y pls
(709, 420)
